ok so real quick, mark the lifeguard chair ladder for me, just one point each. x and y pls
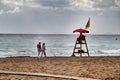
(78, 48)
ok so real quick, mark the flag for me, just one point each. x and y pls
(88, 24)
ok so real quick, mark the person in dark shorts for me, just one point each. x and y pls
(39, 48)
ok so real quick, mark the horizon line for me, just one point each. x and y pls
(59, 33)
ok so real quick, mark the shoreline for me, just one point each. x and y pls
(96, 67)
(59, 56)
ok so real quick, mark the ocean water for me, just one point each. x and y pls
(57, 44)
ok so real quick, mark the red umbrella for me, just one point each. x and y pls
(81, 30)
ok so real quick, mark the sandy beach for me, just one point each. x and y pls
(105, 68)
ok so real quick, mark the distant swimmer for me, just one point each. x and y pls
(116, 39)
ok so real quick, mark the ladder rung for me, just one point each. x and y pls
(77, 48)
(83, 43)
(76, 52)
(79, 52)
(85, 52)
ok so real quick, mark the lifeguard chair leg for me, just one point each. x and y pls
(74, 48)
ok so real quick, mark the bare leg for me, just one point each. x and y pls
(38, 52)
(44, 53)
(41, 53)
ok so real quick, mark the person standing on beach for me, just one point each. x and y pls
(43, 50)
(39, 48)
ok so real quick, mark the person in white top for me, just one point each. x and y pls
(43, 50)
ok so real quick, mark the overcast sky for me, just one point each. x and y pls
(59, 16)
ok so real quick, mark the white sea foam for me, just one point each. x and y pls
(5, 53)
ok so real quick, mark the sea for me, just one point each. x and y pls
(13, 45)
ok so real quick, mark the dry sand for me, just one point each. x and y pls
(105, 68)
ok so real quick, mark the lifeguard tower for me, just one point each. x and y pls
(81, 44)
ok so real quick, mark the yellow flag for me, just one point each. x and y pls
(88, 24)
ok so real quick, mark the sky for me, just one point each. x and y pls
(59, 16)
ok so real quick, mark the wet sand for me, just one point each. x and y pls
(105, 68)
